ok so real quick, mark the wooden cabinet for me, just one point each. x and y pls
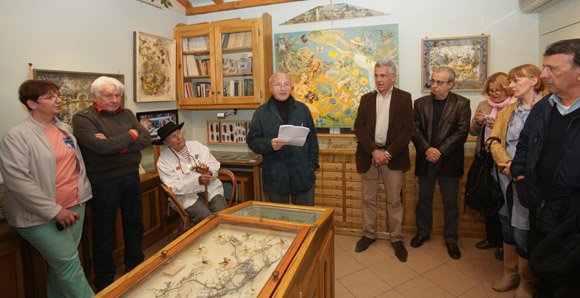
(23, 271)
(224, 64)
(339, 186)
(11, 269)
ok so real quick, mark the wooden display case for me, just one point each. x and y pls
(240, 252)
(311, 273)
(224, 64)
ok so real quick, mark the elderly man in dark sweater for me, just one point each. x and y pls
(110, 139)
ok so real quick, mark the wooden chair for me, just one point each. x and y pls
(174, 203)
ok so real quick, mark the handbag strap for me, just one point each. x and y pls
(495, 167)
(491, 140)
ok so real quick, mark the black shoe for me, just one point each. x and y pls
(400, 251)
(453, 250)
(483, 244)
(418, 240)
(363, 244)
(499, 253)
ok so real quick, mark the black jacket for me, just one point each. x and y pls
(289, 170)
(453, 130)
(556, 259)
(551, 206)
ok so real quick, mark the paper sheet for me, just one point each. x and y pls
(294, 135)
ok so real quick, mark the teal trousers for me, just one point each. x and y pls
(59, 249)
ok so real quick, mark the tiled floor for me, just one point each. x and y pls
(428, 272)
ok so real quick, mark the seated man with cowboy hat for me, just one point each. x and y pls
(187, 168)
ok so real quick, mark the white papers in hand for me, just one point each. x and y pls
(294, 135)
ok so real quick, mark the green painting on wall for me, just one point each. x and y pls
(331, 69)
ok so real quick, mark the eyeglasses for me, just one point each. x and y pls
(51, 97)
(280, 85)
(111, 96)
(491, 91)
(382, 76)
(438, 82)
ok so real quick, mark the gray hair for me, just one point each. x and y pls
(97, 85)
(389, 63)
(568, 47)
(447, 69)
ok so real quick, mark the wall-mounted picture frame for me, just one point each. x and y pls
(227, 132)
(153, 120)
(75, 89)
(154, 67)
(467, 55)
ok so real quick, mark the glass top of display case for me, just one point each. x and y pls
(280, 213)
(221, 258)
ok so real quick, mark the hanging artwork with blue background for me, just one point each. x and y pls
(331, 69)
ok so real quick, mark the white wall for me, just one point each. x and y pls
(97, 36)
(514, 36)
(73, 35)
(561, 21)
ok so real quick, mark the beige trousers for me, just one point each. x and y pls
(393, 181)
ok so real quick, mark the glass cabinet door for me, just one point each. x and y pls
(237, 72)
(197, 70)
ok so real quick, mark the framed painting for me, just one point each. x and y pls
(331, 69)
(468, 56)
(75, 89)
(227, 132)
(154, 78)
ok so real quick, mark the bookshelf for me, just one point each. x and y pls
(224, 64)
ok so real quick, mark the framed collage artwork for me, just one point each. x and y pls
(75, 89)
(226, 132)
(155, 66)
(468, 56)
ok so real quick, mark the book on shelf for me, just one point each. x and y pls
(196, 89)
(204, 66)
(237, 40)
(243, 87)
(200, 43)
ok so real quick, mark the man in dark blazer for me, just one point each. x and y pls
(441, 127)
(384, 127)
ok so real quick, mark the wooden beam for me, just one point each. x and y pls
(218, 1)
(185, 3)
(232, 5)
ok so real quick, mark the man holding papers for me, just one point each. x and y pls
(289, 160)
(384, 126)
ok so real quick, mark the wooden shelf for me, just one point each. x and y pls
(204, 51)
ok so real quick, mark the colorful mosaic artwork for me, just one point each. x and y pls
(331, 69)
(332, 12)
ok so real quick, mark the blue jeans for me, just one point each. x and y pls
(108, 195)
(514, 236)
(66, 277)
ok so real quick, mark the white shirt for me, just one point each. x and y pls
(382, 124)
(174, 172)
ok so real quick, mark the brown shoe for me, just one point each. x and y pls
(418, 240)
(453, 250)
